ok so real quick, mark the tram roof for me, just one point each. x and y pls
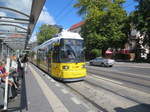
(64, 34)
(17, 20)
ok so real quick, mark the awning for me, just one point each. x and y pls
(108, 52)
(17, 21)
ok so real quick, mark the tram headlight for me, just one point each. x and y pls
(65, 67)
(83, 66)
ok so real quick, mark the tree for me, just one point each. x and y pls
(141, 18)
(95, 53)
(105, 23)
(46, 32)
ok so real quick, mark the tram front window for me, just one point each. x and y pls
(71, 51)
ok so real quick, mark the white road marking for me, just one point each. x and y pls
(85, 105)
(121, 85)
(48, 77)
(29, 103)
(75, 100)
(53, 100)
(106, 79)
(52, 80)
(57, 85)
(64, 91)
(138, 75)
(94, 111)
(133, 66)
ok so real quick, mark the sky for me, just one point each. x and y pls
(62, 12)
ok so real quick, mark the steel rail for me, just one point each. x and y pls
(14, 10)
(3, 24)
(8, 21)
(20, 19)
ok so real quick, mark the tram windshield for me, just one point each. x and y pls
(71, 50)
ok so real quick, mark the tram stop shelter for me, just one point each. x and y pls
(17, 21)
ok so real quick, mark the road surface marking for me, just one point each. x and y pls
(75, 100)
(130, 74)
(134, 66)
(57, 85)
(48, 77)
(106, 79)
(121, 85)
(53, 100)
(29, 103)
(52, 80)
(94, 111)
(138, 75)
(85, 105)
(64, 91)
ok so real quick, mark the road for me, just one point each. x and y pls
(130, 75)
(122, 88)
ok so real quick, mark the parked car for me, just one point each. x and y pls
(102, 62)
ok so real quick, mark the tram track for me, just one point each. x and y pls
(119, 79)
(128, 98)
(130, 75)
(87, 82)
(144, 105)
(100, 108)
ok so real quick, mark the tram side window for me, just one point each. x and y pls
(45, 57)
(49, 53)
(55, 54)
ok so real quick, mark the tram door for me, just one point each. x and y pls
(49, 60)
(55, 61)
(38, 58)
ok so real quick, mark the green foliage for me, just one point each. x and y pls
(105, 23)
(141, 17)
(46, 32)
(95, 53)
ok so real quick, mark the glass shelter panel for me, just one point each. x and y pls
(17, 21)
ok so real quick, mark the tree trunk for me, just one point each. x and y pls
(103, 51)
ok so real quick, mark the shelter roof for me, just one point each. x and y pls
(17, 21)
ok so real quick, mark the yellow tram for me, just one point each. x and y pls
(62, 57)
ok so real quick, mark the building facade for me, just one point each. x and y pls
(76, 28)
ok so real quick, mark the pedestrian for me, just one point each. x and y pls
(24, 61)
(13, 70)
(12, 93)
(20, 68)
(2, 90)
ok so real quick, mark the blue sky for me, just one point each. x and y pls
(61, 12)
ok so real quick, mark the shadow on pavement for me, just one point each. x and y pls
(136, 108)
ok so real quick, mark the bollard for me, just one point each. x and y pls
(6, 86)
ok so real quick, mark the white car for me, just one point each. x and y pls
(102, 62)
